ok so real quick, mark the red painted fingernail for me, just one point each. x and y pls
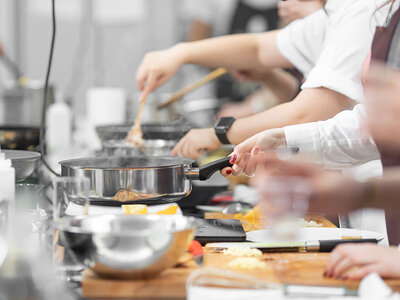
(229, 171)
(233, 159)
(325, 274)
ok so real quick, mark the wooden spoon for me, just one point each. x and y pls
(179, 94)
(135, 135)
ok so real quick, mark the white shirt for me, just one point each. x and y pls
(337, 143)
(340, 141)
(329, 47)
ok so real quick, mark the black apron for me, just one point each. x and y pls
(380, 51)
(227, 86)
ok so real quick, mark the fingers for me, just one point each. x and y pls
(226, 171)
(250, 168)
(362, 272)
(188, 148)
(244, 147)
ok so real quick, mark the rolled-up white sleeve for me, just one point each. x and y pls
(336, 143)
(330, 48)
(340, 63)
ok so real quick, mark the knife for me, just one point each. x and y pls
(308, 246)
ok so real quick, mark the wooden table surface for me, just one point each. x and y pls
(295, 268)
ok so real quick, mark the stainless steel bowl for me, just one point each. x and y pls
(149, 148)
(126, 246)
(24, 162)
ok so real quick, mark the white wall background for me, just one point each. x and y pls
(99, 42)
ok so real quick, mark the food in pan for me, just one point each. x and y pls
(125, 195)
(135, 137)
(247, 263)
(242, 251)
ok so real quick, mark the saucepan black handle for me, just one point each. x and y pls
(329, 245)
(206, 171)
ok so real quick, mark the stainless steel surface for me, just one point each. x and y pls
(235, 208)
(149, 148)
(160, 179)
(202, 112)
(312, 246)
(24, 162)
(127, 246)
(151, 131)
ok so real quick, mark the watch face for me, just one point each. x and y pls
(225, 122)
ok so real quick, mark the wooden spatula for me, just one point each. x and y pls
(179, 94)
(135, 135)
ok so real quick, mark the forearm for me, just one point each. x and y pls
(282, 84)
(309, 106)
(234, 52)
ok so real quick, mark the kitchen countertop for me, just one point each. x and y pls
(295, 268)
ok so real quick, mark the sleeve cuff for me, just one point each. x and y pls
(307, 138)
(334, 81)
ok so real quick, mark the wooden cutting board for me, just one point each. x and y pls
(290, 268)
(295, 268)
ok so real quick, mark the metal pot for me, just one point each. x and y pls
(21, 105)
(202, 112)
(149, 148)
(149, 180)
(151, 131)
(124, 246)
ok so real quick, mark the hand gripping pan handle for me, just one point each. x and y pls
(206, 171)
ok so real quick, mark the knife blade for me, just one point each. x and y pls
(308, 246)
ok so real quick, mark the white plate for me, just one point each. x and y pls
(101, 210)
(314, 234)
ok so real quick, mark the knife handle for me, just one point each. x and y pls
(329, 245)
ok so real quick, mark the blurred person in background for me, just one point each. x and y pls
(215, 18)
(319, 45)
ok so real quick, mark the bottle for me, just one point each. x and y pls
(59, 126)
(7, 194)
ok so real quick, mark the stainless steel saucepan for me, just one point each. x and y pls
(148, 180)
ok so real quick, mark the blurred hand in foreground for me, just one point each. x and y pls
(331, 192)
(382, 91)
(355, 261)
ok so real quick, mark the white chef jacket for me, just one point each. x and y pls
(340, 141)
(337, 143)
(330, 46)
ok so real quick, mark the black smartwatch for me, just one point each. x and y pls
(222, 127)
